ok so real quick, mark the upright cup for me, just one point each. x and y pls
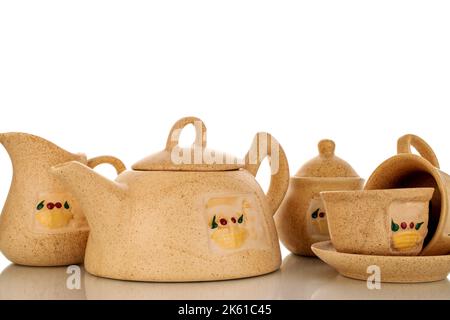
(378, 222)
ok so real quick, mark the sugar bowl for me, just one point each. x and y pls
(301, 219)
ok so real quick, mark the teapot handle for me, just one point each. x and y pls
(404, 146)
(115, 162)
(264, 145)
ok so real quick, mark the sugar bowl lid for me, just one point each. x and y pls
(327, 164)
(195, 158)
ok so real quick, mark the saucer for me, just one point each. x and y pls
(400, 269)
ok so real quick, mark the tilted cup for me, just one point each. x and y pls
(408, 170)
(378, 222)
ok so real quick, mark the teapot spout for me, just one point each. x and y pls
(97, 195)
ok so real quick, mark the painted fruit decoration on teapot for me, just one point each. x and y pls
(183, 214)
(227, 224)
(234, 223)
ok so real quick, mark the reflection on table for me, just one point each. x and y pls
(298, 278)
(40, 283)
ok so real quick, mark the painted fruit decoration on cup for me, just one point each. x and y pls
(408, 226)
(406, 236)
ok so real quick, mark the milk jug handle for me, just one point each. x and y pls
(115, 162)
(405, 143)
(264, 145)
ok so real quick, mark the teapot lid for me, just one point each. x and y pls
(326, 164)
(195, 158)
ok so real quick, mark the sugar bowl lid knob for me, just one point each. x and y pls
(326, 148)
(326, 164)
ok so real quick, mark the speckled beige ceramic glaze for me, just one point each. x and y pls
(400, 269)
(41, 223)
(409, 170)
(166, 221)
(378, 222)
(301, 219)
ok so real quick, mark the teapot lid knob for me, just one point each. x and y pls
(326, 148)
(194, 158)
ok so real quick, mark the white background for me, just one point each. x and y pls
(111, 77)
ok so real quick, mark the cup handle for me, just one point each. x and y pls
(264, 145)
(405, 143)
(115, 162)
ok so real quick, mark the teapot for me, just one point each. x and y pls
(182, 214)
(41, 223)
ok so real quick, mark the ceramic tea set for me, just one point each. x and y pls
(194, 214)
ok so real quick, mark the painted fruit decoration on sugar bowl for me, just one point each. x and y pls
(301, 219)
(183, 214)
